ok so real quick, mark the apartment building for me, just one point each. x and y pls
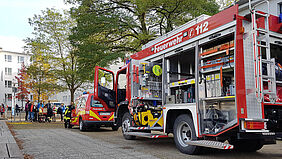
(10, 64)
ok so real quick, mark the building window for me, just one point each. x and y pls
(8, 71)
(9, 97)
(20, 59)
(8, 58)
(8, 84)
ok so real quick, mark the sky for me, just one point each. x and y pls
(14, 16)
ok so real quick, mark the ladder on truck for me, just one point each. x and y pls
(260, 42)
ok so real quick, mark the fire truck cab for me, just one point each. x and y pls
(214, 79)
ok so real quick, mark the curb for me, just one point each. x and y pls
(8, 145)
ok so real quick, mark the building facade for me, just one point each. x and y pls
(10, 64)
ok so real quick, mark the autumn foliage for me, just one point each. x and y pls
(23, 92)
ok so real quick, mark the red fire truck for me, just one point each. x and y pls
(211, 80)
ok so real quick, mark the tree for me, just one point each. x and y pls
(107, 30)
(23, 92)
(51, 30)
(225, 3)
(41, 82)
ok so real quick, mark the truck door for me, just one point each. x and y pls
(104, 86)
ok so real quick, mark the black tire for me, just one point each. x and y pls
(82, 126)
(115, 128)
(246, 145)
(126, 120)
(184, 130)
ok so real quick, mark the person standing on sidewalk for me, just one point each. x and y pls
(35, 112)
(26, 110)
(1, 109)
(67, 115)
(60, 111)
(30, 115)
(17, 109)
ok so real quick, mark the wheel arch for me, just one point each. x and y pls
(123, 108)
(172, 114)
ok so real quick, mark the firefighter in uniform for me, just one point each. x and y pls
(67, 115)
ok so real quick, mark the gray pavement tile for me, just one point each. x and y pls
(14, 151)
(3, 150)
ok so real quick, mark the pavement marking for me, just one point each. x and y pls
(19, 123)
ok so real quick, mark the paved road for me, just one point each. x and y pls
(61, 143)
(165, 148)
(104, 143)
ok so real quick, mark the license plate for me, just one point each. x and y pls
(104, 113)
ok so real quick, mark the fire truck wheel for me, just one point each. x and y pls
(125, 126)
(82, 126)
(246, 145)
(183, 130)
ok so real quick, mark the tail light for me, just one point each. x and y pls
(254, 125)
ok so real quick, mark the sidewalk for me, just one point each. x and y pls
(8, 145)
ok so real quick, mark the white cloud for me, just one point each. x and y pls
(11, 43)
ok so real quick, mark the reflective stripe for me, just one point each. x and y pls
(111, 117)
(94, 115)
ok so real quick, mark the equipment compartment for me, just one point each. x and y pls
(181, 77)
(216, 85)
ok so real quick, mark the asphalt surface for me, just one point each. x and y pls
(60, 143)
(41, 141)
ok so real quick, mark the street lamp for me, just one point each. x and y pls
(14, 90)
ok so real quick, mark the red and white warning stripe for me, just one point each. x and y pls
(228, 147)
(141, 128)
(159, 136)
(139, 97)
